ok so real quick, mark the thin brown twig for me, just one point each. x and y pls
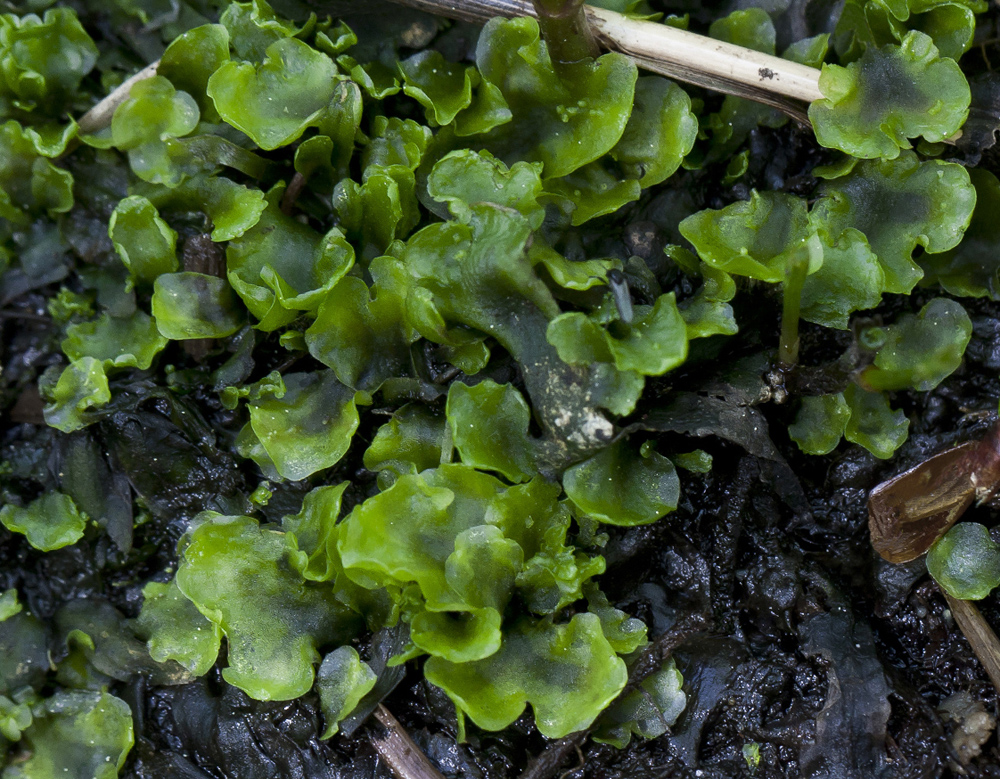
(295, 187)
(685, 56)
(27, 315)
(981, 637)
(397, 749)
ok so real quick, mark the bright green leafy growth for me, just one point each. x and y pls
(146, 244)
(951, 25)
(462, 178)
(443, 88)
(863, 24)
(246, 580)
(476, 275)
(563, 120)
(393, 153)
(898, 204)
(927, 96)
(253, 27)
(315, 531)
(809, 51)
(364, 339)
(67, 306)
(623, 487)
(14, 719)
(275, 101)
(648, 712)
(591, 191)
(972, 268)
(310, 427)
(750, 27)
(280, 266)
(568, 673)
(474, 634)
(194, 305)
(336, 40)
(698, 461)
(9, 605)
(439, 505)
(571, 274)
(414, 440)
(146, 126)
(81, 386)
(49, 522)
(965, 562)
(175, 630)
(919, 351)
(468, 542)
(489, 425)
(29, 183)
(192, 58)
(849, 280)
(754, 237)
(395, 141)
(338, 128)
(873, 423)
(708, 312)
(118, 342)
(661, 130)
(820, 423)
(655, 343)
(271, 385)
(78, 734)
(232, 208)
(42, 61)
(625, 634)
(383, 209)
(488, 109)
(342, 681)
(377, 79)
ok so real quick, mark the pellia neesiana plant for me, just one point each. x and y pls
(297, 254)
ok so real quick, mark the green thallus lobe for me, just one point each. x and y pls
(384, 248)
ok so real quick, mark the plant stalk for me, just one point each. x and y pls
(566, 30)
(796, 271)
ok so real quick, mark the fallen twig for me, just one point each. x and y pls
(99, 117)
(682, 55)
(659, 48)
(397, 749)
(984, 641)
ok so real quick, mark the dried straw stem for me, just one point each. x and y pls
(981, 636)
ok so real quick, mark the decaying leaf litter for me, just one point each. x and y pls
(801, 652)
